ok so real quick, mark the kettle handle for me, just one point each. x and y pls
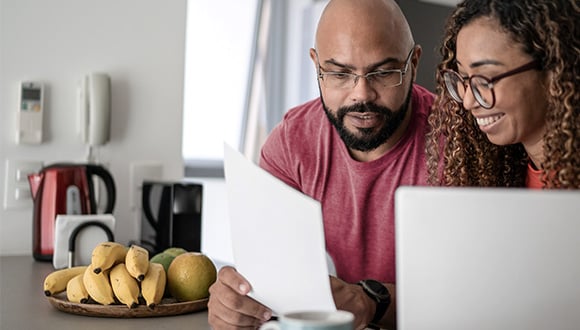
(146, 192)
(102, 173)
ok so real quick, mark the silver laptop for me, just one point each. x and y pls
(491, 258)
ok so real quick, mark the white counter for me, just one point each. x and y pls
(24, 306)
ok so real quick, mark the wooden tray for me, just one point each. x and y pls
(168, 306)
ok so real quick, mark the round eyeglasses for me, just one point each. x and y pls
(377, 79)
(481, 87)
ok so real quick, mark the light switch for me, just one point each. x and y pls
(16, 188)
(22, 175)
(22, 193)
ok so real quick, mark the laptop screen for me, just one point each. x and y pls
(487, 258)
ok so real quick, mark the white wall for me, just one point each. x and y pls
(140, 44)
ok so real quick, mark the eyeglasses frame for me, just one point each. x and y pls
(534, 64)
(402, 72)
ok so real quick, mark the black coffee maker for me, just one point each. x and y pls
(171, 215)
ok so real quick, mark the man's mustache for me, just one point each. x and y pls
(361, 108)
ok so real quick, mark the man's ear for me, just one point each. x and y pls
(415, 60)
(314, 57)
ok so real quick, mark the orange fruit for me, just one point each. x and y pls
(190, 275)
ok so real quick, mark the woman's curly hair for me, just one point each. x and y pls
(459, 154)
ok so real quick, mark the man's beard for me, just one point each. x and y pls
(367, 139)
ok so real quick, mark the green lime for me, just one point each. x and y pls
(175, 251)
(164, 259)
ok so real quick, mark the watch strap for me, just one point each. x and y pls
(379, 313)
(382, 299)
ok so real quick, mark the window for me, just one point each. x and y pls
(236, 53)
(218, 49)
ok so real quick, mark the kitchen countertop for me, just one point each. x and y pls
(24, 306)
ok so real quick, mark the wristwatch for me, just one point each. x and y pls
(379, 293)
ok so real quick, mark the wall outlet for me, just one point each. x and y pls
(138, 172)
(16, 188)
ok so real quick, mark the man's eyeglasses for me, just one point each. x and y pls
(377, 79)
(481, 87)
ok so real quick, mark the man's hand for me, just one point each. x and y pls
(351, 297)
(229, 307)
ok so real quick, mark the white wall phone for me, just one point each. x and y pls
(95, 108)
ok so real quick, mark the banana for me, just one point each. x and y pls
(76, 291)
(106, 254)
(137, 262)
(125, 286)
(56, 281)
(98, 286)
(153, 285)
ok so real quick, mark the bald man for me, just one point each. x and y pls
(349, 149)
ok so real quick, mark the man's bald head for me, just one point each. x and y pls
(357, 22)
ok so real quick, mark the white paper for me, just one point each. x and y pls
(277, 238)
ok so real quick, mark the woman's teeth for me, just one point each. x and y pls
(487, 120)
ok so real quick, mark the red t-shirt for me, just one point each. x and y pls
(357, 198)
(534, 178)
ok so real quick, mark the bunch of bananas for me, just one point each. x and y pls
(116, 275)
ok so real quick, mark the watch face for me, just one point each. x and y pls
(376, 288)
(377, 291)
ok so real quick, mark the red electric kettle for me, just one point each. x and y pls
(64, 189)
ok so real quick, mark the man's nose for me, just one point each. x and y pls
(363, 90)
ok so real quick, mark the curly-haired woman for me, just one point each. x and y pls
(507, 111)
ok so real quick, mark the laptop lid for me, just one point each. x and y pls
(492, 258)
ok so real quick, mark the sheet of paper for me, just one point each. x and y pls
(277, 238)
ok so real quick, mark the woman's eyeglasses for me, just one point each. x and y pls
(481, 87)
